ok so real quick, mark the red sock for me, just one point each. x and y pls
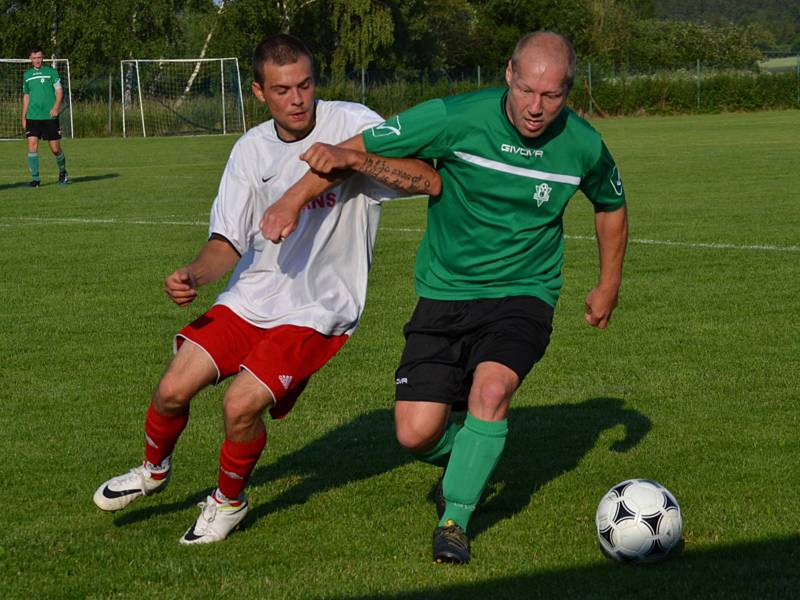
(161, 432)
(236, 462)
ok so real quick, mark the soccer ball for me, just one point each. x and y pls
(638, 520)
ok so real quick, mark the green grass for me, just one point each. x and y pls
(694, 384)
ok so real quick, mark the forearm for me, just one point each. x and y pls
(25, 103)
(215, 258)
(409, 175)
(612, 240)
(59, 98)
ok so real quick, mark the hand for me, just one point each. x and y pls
(24, 123)
(325, 158)
(180, 287)
(54, 112)
(600, 303)
(280, 220)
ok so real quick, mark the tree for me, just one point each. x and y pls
(363, 27)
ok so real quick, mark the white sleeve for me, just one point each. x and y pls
(232, 212)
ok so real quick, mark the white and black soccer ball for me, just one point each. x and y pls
(638, 520)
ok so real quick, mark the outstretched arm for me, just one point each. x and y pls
(330, 165)
(612, 239)
(215, 258)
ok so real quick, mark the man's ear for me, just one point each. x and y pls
(258, 92)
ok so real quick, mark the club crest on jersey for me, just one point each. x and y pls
(390, 127)
(542, 194)
(616, 181)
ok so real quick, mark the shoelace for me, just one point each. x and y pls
(209, 512)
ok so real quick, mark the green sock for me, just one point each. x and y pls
(61, 161)
(439, 453)
(476, 451)
(33, 165)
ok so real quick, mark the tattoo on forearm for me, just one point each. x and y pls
(395, 178)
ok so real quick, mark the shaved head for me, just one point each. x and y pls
(546, 48)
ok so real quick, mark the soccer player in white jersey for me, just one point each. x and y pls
(287, 308)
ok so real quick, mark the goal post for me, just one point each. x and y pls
(11, 72)
(181, 96)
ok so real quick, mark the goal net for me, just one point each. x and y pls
(11, 71)
(181, 97)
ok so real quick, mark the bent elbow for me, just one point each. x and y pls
(436, 185)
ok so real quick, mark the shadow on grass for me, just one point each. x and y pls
(146, 512)
(88, 178)
(545, 442)
(72, 181)
(760, 570)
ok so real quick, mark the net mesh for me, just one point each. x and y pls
(11, 71)
(182, 97)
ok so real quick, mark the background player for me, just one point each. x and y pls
(488, 270)
(287, 309)
(41, 103)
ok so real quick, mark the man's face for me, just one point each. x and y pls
(536, 93)
(288, 92)
(36, 59)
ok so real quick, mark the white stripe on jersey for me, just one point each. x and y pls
(504, 168)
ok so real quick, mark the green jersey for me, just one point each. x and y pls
(40, 85)
(496, 229)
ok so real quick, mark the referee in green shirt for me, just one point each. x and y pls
(41, 102)
(488, 269)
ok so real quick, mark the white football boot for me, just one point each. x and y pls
(119, 491)
(217, 519)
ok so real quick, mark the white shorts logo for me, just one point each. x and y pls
(390, 127)
(616, 181)
(286, 380)
(401, 381)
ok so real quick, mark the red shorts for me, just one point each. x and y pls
(283, 358)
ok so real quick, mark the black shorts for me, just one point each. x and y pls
(446, 340)
(45, 129)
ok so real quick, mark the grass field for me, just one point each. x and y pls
(695, 384)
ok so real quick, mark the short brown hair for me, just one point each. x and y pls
(280, 48)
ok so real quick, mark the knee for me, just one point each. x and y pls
(241, 413)
(171, 396)
(416, 436)
(492, 398)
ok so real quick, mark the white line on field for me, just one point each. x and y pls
(17, 221)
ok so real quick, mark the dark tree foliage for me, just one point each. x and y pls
(397, 36)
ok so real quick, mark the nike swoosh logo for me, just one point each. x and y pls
(191, 535)
(112, 494)
(266, 179)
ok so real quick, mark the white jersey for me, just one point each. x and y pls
(317, 277)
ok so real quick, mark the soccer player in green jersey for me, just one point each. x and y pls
(488, 270)
(41, 101)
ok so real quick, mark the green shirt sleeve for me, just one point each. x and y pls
(419, 131)
(602, 184)
(25, 89)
